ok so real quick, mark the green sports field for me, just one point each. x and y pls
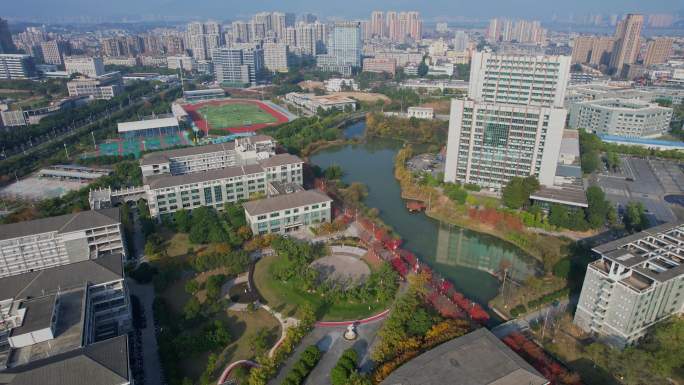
(235, 115)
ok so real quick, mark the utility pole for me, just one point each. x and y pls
(92, 134)
(66, 150)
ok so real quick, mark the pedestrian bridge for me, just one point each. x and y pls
(103, 198)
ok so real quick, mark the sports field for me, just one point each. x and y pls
(234, 115)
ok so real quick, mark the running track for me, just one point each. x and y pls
(203, 125)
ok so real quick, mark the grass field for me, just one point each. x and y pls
(235, 115)
(286, 297)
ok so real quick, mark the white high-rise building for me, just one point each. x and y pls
(344, 51)
(461, 41)
(237, 66)
(202, 38)
(512, 122)
(275, 57)
(16, 66)
(306, 39)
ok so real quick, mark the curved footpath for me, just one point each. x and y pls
(332, 324)
(229, 368)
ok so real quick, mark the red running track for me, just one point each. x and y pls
(203, 125)
(332, 324)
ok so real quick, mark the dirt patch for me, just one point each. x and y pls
(342, 268)
(364, 96)
(441, 107)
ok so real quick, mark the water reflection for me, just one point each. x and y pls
(469, 259)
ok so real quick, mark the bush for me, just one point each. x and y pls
(346, 365)
(562, 268)
(303, 366)
(520, 309)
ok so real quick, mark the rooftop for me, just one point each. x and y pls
(564, 195)
(147, 124)
(478, 358)
(62, 224)
(165, 156)
(287, 201)
(657, 253)
(47, 281)
(102, 363)
(280, 160)
(167, 180)
(68, 332)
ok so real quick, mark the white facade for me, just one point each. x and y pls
(420, 112)
(512, 122)
(89, 66)
(16, 66)
(326, 102)
(489, 143)
(103, 87)
(637, 282)
(630, 118)
(289, 212)
(41, 244)
(535, 80)
(275, 57)
(339, 85)
(167, 194)
(180, 62)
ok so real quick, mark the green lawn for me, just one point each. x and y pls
(235, 115)
(286, 297)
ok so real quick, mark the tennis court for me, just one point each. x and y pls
(135, 146)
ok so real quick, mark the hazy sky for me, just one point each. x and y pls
(233, 9)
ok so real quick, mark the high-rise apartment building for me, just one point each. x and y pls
(240, 32)
(6, 44)
(173, 45)
(581, 49)
(461, 41)
(54, 51)
(601, 51)
(275, 57)
(658, 50)
(521, 31)
(627, 42)
(202, 38)
(512, 122)
(306, 39)
(237, 66)
(16, 66)
(637, 282)
(344, 50)
(377, 24)
(113, 47)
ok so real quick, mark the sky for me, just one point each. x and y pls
(241, 9)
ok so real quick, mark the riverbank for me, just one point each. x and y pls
(479, 214)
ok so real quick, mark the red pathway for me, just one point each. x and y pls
(332, 324)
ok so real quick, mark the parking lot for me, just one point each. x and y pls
(647, 181)
(432, 163)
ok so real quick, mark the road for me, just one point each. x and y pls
(145, 293)
(47, 139)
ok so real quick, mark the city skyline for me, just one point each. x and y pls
(437, 10)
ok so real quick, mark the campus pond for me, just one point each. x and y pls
(470, 260)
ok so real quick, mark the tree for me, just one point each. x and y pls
(590, 162)
(599, 208)
(516, 194)
(612, 160)
(635, 218)
(258, 341)
(182, 218)
(420, 323)
(192, 308)
(423, 68)
(333, 172)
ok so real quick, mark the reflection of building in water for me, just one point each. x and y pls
(455, 247)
